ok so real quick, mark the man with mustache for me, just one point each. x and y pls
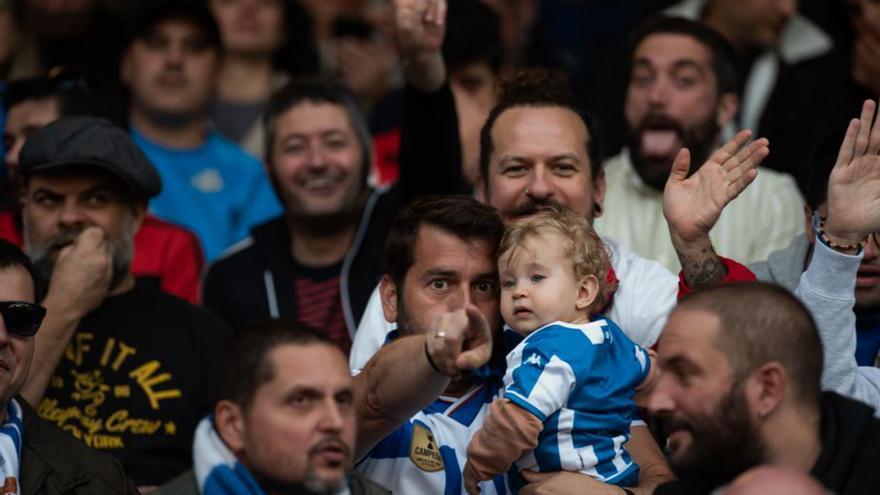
(119, 365)
(681, 93)
(740, 386)
(284, 422)
(211, 186)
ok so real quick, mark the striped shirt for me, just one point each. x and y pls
(579, 380)
(427, 454)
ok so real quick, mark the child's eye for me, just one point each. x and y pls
(537, 278)
(507, 284)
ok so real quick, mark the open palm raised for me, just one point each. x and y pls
(693, 204)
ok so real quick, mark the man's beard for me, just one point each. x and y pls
(699, 139)
(121, 251)
(325, 224)
(312, 484)
(723, 445)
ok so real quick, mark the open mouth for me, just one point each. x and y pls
(660, 142)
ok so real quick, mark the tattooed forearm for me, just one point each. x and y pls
(702, 267)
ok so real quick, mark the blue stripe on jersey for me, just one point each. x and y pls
(523, 403)
(452, 470)
(498, 483)
(467, 411)
(394, 445)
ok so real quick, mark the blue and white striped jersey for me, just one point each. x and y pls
(427, 454)
(579, 380)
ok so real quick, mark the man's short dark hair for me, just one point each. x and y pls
(244, 363)
(462, 216)
(70, 91)
(472, 35)
(724, 58)
(536, 88)
(762, 323)
(317, 90)
(820, 164)
(151, 12)
(11, 256)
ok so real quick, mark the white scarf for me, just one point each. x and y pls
(11, 434)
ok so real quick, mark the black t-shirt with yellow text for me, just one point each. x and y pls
(134, 381)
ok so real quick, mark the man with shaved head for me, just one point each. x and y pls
(740, 387)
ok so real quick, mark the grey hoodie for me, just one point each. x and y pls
(827, 289)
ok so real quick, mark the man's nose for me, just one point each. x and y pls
(540, 187)
(660, 401)
(332, 418)
(315, 156)
(658, 93)
(71, 214)
(872, 247)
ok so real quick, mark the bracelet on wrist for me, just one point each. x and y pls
(431, 361)
(819, 227)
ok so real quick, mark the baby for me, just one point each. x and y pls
(568, 391)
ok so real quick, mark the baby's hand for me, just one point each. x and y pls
(471, 481)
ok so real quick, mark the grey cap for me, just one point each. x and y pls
(89, 142)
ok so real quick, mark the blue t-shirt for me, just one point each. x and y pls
(216, 190)
(579, 380)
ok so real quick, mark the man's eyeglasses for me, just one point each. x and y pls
(22, 318)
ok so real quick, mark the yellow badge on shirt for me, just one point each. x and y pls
(424, 451)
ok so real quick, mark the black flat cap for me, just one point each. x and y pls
(91, 142)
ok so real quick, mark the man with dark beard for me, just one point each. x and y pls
(319, 262)
(120, 365)
(740, 387)
(681, 93)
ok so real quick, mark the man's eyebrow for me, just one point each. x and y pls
(679, 361)
(440, 272)
(687, 63)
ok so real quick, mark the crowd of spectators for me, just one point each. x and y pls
(439, 247)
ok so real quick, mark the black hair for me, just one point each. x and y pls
(317, 90)
(243, 364)
(822, 158)
(71, 91)
(462, 216)
(724, 57)
(538, 88)
(12, 256)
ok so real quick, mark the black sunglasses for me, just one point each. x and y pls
(22, 318)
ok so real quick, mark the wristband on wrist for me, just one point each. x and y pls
(819, 227)
(431, 361)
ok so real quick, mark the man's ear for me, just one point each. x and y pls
(388, 291)
(481, 191)
(767, 388)
(138, 213)
(728, 105)
(808, 223)
(588, 289)
(598, 195)
(229, 421)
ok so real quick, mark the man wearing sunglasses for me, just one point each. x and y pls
(36, 455)
(120, 365)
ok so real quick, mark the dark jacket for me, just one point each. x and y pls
(255, 281)
(850, 456)
(185, 484)
(55, 463)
